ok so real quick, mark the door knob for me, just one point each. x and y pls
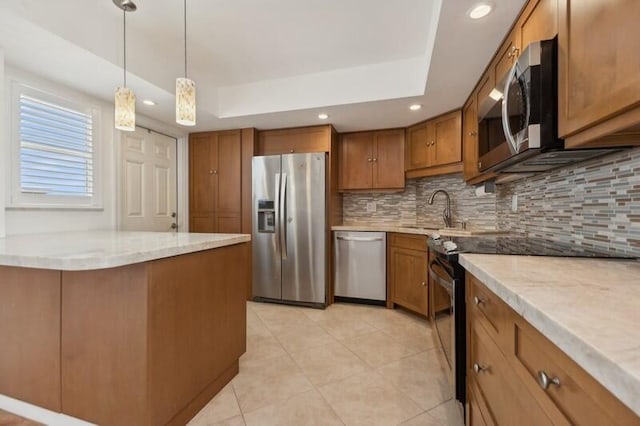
(544, 381)
(174, 225)
(477, 300)
(479, 368)
(173, 214)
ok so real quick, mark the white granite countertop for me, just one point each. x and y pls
(589, 308)
(78, 251)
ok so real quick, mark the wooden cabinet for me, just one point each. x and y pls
(407, 274)
(599, 72)
(506, 357)
(372, 160)
(434, 146)
(215, 184)
(298, 139)
(470, 139)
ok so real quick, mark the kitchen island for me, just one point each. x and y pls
(121, 327)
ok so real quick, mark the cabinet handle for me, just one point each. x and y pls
(513, 52)
(375, 159)
(423, 284)
(479, 368)
(215, 172)
(369, 159)
(478, 301)
(544, 381)
(473, 133)
(479, 164)
(292, 151)
(210, 172)
(433, 143)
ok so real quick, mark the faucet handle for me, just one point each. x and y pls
(463, 224)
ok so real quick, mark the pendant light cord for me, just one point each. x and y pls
(185, 38)
(124, 26)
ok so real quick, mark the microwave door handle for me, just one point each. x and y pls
(511, 140)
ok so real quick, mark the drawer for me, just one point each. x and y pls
(506, 397)
(408, 241)
(486, 307)
(477, 410)
(577, 396)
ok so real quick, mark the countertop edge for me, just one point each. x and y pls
(114, 261)
(622, 384)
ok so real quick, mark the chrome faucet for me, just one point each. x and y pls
(446, 214)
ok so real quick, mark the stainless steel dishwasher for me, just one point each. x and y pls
(360, 265)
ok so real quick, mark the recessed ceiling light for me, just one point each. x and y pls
(415, 107)
(323, 116)
(148, 102)
(480, 10)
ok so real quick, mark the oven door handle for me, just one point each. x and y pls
(448, 285)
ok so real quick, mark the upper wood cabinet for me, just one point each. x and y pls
(470, 139)
(434, 146)
(372, 160)
(599, 72)
(295, 140)
(215, 185)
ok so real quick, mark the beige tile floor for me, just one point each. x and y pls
(346, 365)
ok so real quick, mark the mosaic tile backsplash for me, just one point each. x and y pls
(595, 204)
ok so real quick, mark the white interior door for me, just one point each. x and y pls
(148, 182)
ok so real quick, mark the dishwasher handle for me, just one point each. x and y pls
(360, 239)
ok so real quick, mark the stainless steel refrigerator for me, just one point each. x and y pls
(289, 224)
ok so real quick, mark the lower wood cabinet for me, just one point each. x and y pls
(515, 375)
(407, 275)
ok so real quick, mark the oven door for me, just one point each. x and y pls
(449, 320)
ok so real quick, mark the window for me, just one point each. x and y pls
(55, 151)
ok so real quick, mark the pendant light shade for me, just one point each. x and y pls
(125, 99)
(185, 89)
(185, 101)
(125, 110)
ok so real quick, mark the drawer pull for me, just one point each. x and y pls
(478, 368)
(477, 300)
(544, 381)
(424, 284)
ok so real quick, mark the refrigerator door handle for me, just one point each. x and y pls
(283, 216)
(278, 213)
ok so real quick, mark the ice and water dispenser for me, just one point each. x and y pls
(266, 217)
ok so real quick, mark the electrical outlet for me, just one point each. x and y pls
(514, 203)
(371, 207)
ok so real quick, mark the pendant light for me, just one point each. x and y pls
(185, 89)
(125, 99)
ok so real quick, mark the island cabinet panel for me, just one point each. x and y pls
(152, 343)
(104, 345)
(599, 71)
(30, 335)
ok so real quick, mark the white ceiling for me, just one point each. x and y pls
(265, 64)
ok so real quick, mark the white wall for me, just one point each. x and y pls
(23, 221)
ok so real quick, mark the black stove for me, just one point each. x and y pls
(449, 248)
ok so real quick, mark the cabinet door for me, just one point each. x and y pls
(599, 64)
(202, 152)
(506, 56)
(418, 151)
(356, 159)
(470, 138)
(388, 159)
(539, 21)
(409, 275)
(447, 142)
(229, 172)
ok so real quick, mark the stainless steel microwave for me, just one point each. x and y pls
(518, 120)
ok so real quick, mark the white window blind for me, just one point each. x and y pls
(56, 149)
